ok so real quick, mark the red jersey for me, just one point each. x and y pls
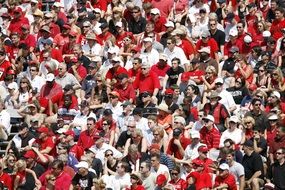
(202, 180)
(146, 83)
(126, 93)
(276, 27)
(180, 184)
(30, 40)
(173, 149)
(210, 137)
(186, 76)
(229, 180)
(187, 47)
(112, 73)
(86, 139)
(16, 24)
(159, 25)
(161, 72)
(81, 70)
(211, 43)
(6, 180)
(4, 67)
(62, 182)
(54, 29)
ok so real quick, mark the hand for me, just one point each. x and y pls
(154, 99)
(177, 142)
(74, 67)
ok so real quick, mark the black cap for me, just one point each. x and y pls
(104, 25)
(23, 126)
(221, 1)
(121, 76)
(68, 87)
(137, 111)
(93, 64)
(251, 5)
(177, 132)
(230, 16)
(202, 10)
(107, 112)
(248, 143)
(145, 94)
(91, 16)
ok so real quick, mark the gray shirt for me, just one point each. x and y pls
(149, 182)
(237, 170)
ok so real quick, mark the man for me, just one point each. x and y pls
(37, 81)
(92, 48)
(49, 21)
(149, 54)
(142, 124)
(178, 144)
(114, 105)
(169, 101)
(78, 52)
(231, 24)
(191, 151)
(56, 177)
(225, 180)
(137, 62)
(231, 42)
(4, 64)
(48, 63)
(186, 45)
(167, 35)
(5, 178)
(67, 109)
(229, 64)
(45, 141)
(236, 169)
(226, 98)
(64, 78)
(278, 23)
(276, 172)
(148, 178)
(125, 134)
(137, 23)
(253, 166)
(217, 35)
(148, 108)
(18, 20)
(147, 80)
(210, 135)
(206, 59)
(161, 67)
(194, 74)
(89, 81)
(172, 51)
(218, 111)
(86, 137)
(165, 159)
(28, 38)
(207, 41)
(157, 168)
(279, 142)
(62, 39)
(121, 179)
(125, 89)
(83, 179)
(158, 20)
(77, 69)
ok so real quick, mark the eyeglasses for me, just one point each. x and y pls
(247, 122)
(206, 120)
(86, 26)
(208, 72)
(261, 71)
(23, 82)
(113, 97)
(257, 104)
(174, 173)
(131, 126)
(175, 122)
(144, 68)
(272, 121)
(212, 24)
(107, 155)
(155, 134)
(11, 160)
(60, 148)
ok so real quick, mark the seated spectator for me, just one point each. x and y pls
(178, 144)
(225, 179)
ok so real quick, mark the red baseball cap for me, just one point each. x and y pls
(43, 130)
(70, 132)
(160, 179)
(18, 10)
(154, 146)
(198, 162)
(169, 91)
(30, 154)
(203, 149)
(115, 93)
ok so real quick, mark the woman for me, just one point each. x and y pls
(110, 8)
(9, 162)
(160, 137)
(276, 81)
(244, 69)
(136, 182)
(254, 57)
(239, 91)
(109, 133)
(193, 92)
(258, 37)
(248, 123)
(32, 111)
(176, 180)
(100, 89)
(25, 93)
(37, 24)
(98, 184)
(137, 139)
(117, 17)
(260, 79)
(127, 46)
(208, 82)
(111, 163)
(281, 56)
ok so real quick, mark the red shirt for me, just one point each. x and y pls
(86, 139)
(62, 182)
(112, 73)
(55, 54)
(202, 180)
(187, 48)
(126, 93)
(159, 24)
(173, 149)
(101, 4)
(62, 16)
(81, 70)
(146, 83)
(181, 184)
(76, 151)
(30, 40)
(16, 24)
(186, 76)
(6, 180)
(133, 73)
(46, 143)
(104, 37)
(210, 137)
(229, 180)
(12, 51)
(271, 134)
(138, 187)
(4, 67)
(164, 6)
(229, 44)
(276, 27)
(161, 72)
(54, 29)
(60, 40)
(211, 43)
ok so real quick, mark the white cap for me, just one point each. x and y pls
(61, 130)
(234, 119)
(117, 59)
(195, 134)
(119, 24)
(112, 50)
(96, 58)
(276, 94)
(192, 18)
(205, 49)
(34, 1)
(219, 80)
(169, 24)
(50, 77)
(155, 11)
(233, 32)
(247, 39)
(86, 23)
(163, 56)
(224, 166)
(145, 65)
(96, 10)
(57, 4)
(209, 117)
(266, 34)
(147, 39)
(180, 120)
(82, 164)
(273, 117)
(11, 86)
(92, 150)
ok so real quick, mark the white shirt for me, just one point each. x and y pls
(151, 57)
(37, 82)
(81, 120)
(96, 49)
(100, 152)
(191, 152)
(117, 182)
(178, 53)
(227, 99)
(161, 170)
(117, 110)
(5, 121)
(142, 124)
(235, 135)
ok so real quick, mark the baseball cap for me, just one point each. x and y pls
(50, 77)
(273, 117)
(248, 143)
(23, 126)
(119, 24)
(155, 11)
(45, 28)
(230, 16)
(82, 164)
(169, 24)
(276, 94)
(30, 154)
(177, 132)
(209, 117)
(104, 25)
(43, 130)
(107, 112)
(145, 65)
(168, 91)
(234, 49)
(205, 50)
(147, 39)
(195, 135)
(224, 166)
(69, 133)
(203, 148)
(205, 34)
(163, 56)
(266, 34)
(68, 87)
(247, 39)
(198, 162)
(114, 93)
(233, 32)
(180, 120)
(234, 119)
(219, 81)
(161, 179)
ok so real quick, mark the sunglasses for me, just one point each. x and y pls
(107, 155)
(174, 173)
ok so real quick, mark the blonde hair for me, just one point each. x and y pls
(212, 69)
(248, 119)
(159, 130)
(20, 165)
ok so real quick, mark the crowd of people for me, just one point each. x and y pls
(134, 95)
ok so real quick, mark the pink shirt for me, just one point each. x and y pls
(163, 5)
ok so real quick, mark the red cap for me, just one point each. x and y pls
(10, 72)
(18, 10)
(169, 91)
(30, 154)
(136, 49)
(198, 162)
(154, 146)
(74, 60)
(70, 132)
(66, 26)
(43, 130)
(203, 149)
(115, 93)
(160, 179)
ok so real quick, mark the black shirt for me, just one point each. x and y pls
(150, 109)
(261, 121)
(124, 136)
(88, 84)
(277, 174)
(30, 181)
(85, 182)
(229, 65)
(238, 93)
(219, 37)
(252, 164)
(173, 75)
(137, 27)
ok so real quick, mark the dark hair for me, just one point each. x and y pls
(229, 141)
(280, 9)
(230, 151)
(91, 119)
(147, 164)
(58, 164)
(257, 50)
(125, 165)
(176, 168)
(176, 59)
(138, 59)
(242, 22)
(156, 155)
(137, 8)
